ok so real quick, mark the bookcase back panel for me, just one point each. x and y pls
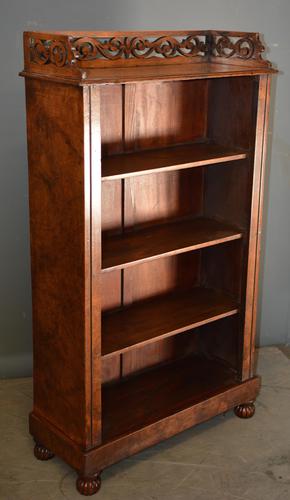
(221, 340)
(222, 266)
(159, 114)
(112, 198)
(161, 276)
(228, 192)
(157, 277)
(111, 119)
(111, 282)
(155, 198)
(232, 105)
(160, 352)
(112, 211)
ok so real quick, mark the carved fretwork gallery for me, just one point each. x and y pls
(92, 48)
(146, 168)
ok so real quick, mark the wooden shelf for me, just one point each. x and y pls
(173, 158)
(143, 399)
(166, 72)
(149, 321)
(129, 248)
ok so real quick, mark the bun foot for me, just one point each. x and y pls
(42, 453)
(245, 410)
(88, 485)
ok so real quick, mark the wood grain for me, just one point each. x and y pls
(59, 206)
(150, 122)
(139, 401)
(166, 159)
(102, 456)
(149, 321)
(177, 279)
(111, 199)
(124, 250)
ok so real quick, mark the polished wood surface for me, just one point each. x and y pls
(61, 307)
(87, 56)
(148, 397)
(94, 460)
(148, 321)
(163, 160)
(256, 227)
(124, 250)
(104, 76)
(145, 207)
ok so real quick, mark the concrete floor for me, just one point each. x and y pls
(223, 459)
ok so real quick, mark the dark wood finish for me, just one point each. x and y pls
(245, 410)
(168, 73)
(162, 160)
(70, 53)
(59, 193)
(42, 453)
(100, 457)
(146, 398)
(157, 198)
(112, 197)
(144, 286)
(166, 239)
(148, 321)
(256, 227)
(88, 486)
(164, 125)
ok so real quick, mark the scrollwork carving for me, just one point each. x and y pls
(207, 45)
(49, 51)
(246, 47)
(124, 47)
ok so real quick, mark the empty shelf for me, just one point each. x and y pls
(143, 399)
(172, 158)
(150, 320)
(131, 247)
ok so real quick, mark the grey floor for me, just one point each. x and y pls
(224, 459)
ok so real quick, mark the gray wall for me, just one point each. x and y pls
(266, 16)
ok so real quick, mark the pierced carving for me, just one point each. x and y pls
(124, 47)
(92, 48)
(246, 410)
(88, 485)
(99, 49)
(247, 47)
(48, 51)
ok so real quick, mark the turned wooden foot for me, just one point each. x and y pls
(245, 410)
(42, 453)
(88, 485)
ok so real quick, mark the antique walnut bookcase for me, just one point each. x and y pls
(146, 159)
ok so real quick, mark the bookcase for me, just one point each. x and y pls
(146, 161)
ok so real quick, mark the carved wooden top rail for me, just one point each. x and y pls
(71, 53)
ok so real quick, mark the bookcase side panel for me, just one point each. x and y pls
(93, 221)
(256, 227)
(229, 191)
(60, 265)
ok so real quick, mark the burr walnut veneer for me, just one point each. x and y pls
(146, 163)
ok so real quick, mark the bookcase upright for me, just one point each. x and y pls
(146, 162)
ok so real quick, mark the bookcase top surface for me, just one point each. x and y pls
(119, 57)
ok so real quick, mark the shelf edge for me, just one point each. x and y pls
(178, 251)
(182, 166)
(177, 331)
